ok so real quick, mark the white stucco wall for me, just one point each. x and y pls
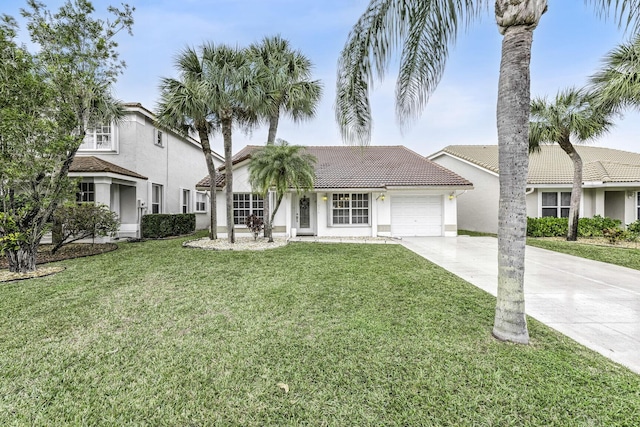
(477, 209)
(176, 165)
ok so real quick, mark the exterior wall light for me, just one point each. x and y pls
(452, 196)
(325, 197)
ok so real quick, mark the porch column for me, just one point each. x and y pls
(599, 205)
(102, 187)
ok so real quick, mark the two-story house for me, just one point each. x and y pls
(136, 168)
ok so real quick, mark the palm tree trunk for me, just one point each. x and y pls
(228, 177)
(208, 156)
(576, 190)
(271, 138)
(22, 260)
(513, 142)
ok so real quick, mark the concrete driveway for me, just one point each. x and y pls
(595, 303)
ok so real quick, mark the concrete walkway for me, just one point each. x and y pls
(595, 303)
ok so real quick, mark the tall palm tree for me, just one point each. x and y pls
(184, 106)
(617, 84)
(283, 167)
(288, 90)
(425, 30)
(572, 115)
(235, 93)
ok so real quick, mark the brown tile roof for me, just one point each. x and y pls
(93, 164)
(370, 167)
(552, 165)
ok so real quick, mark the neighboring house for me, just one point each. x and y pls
(136, 169)
(611, 183)
(359, 191)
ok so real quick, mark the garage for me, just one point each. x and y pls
(416, 216)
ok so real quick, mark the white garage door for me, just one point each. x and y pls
(416, 216)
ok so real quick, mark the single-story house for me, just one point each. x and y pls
(611, 183)
(373, 191)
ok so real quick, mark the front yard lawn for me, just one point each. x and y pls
(626, 257)
(308, 334)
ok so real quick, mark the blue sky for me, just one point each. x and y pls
(568, 47)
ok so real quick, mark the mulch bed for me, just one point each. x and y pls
(72, 250)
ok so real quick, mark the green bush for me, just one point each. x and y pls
(547, 227)
(72, 222)
(155, 226)
(558, 227)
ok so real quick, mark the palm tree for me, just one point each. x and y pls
(425, 30)
(288, 89)
(184, 106)
(617, 84)
(234, 88)
(281, 166)
(572, 115)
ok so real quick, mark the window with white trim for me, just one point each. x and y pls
(158, 138)
(86, 192)
(638, 204)
(245, 204)
(156, 198)
(556, 203)
(185, 201)
(350, 208)
(99, 137)
(201, 201)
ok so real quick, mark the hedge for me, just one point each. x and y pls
(558, 227)
(156, 226)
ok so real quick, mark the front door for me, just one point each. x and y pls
(306, 214)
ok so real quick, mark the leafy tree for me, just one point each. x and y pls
(82, 221)
(48, 100)
(283, 167)
(288, 90)
(617, 84)
(424, 30)
(572, 115)
(184, 105)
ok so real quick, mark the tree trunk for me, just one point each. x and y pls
(22, 260)
(576, 190)
(513, 144)
(228, 176)
(211, 168)
(271, 138)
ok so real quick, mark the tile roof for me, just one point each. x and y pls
(93, 164)
(553, 166)
(370, 167)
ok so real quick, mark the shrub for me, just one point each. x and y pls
(254, 224)
(558, 227)
(155, 226)
(73, 222)
(547, 227)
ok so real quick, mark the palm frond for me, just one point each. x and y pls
(626, 13)
(424, 30)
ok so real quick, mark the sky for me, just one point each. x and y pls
(568, 47)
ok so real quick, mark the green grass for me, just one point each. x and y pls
(363, 335)
(475, 233)
(626, 257)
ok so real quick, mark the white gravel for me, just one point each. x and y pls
(241, 244)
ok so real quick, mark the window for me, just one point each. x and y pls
(551, 207)
(245, 204)
(99, 137)
(638, 204)
(186, 201)
(86, 192)
(201, 201)
(350, 208)
(158, 138)
(156, 198)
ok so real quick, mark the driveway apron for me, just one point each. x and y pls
(594, 303)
